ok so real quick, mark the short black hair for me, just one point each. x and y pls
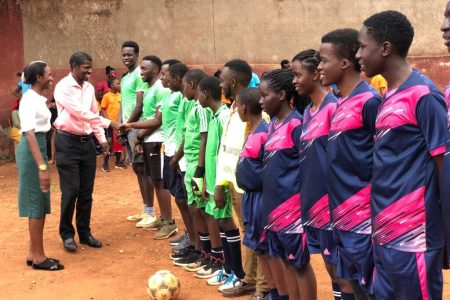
(79, 58)
(111, 80)
(178, 69)
(281, 80)
(345, 42)
(171, 62)
(195, 75)
(109, 69)
(393, 27)
(283, 62)
(211, 85)
(241, 69)
(33, 70)
(155, 60)
(131, 44)
(310, 59)
(250, 97)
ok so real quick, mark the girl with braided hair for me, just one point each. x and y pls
(286, 258)
(313, 146)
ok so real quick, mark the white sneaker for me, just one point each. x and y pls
(219, 279)
(146, 221)
(231, 282)
(137, 217)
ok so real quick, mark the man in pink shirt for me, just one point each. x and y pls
(77, 123)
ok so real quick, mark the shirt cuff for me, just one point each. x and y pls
(105, 122)
(438, 151)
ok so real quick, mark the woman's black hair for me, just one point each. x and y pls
(33, 70)
(281, 80)
(310, 59)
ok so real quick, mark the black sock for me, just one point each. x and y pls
(336, 291)
(205, 240)
(106, 160)
(217, 253)
(118, 157)
(347, 296)
(226, 253)
(283, 297)
(274, 294)
(234, 245)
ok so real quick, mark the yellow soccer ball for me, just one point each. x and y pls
(163, 285)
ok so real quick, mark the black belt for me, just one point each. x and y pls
(75, 137)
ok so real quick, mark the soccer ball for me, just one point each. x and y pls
(163, 285)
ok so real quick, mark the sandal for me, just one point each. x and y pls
(48, 265)
(30, 261)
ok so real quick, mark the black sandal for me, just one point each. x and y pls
(48, 265)
(30, 261)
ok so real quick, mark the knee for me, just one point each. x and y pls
(227, 224)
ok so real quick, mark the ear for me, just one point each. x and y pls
(345, 64)
(387, 49)
(192, 84)
(234, 82)
(282, 95)
(315, 75)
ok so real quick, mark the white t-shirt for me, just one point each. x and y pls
(34, 113)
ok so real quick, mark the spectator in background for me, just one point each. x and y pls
(110, 108)
(380, 84)
(15, 132)
(254, 82)
(102, 87)
(22, 87)
(285, 64)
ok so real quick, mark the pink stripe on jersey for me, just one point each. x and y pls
(422, 272)
(287, 216)
(253, 145)
(319, 214)
(319, 125)
(403, 222)
(438, 151)
(281, 137)
(348, 114)
(354, 213)
(400, 109)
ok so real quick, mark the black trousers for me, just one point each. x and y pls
(76, 163)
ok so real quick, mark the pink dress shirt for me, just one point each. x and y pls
(77, 109)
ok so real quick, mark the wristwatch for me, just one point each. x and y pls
(43, 168)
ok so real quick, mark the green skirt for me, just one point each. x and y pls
(33, 203)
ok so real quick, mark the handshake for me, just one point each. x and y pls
(122, 127)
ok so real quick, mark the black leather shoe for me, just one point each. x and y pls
(70, 245)
(91, 242)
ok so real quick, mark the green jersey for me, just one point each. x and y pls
(169, 109)
(129, 86)
(196, 122)
(215, 130)
(153, 98)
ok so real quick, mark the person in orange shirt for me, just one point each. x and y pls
(110, 108)
(380, 84)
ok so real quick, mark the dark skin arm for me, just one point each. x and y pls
(201, 154)
(44, 176)
(17, 93)
(137, 111)
(177, 156)
(445, 204)
(147, 127)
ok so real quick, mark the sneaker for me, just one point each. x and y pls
(219, 279)
(179, 239)
(120, 165)
(137, 217)
(106, 169)
(186, 242)
(203, 260)
(146, 221)
(236, 287)
(191, 256)
(210, 270)
(155, 225)
(182, 253)
(166, 231)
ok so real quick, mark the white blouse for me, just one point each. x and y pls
(34, 113)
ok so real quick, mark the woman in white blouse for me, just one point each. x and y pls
(34, 177)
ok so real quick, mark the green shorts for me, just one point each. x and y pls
(191, 166)
(220, 213)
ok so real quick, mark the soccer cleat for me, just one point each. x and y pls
(155, 225)
(146, 221)
(166, 231)
(203, 260)
(137, 217)
(211, 269)
(190, 257)
(179, 239)
(219, 279)
(120, 165)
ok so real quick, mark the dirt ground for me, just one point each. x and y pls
(120, 269)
